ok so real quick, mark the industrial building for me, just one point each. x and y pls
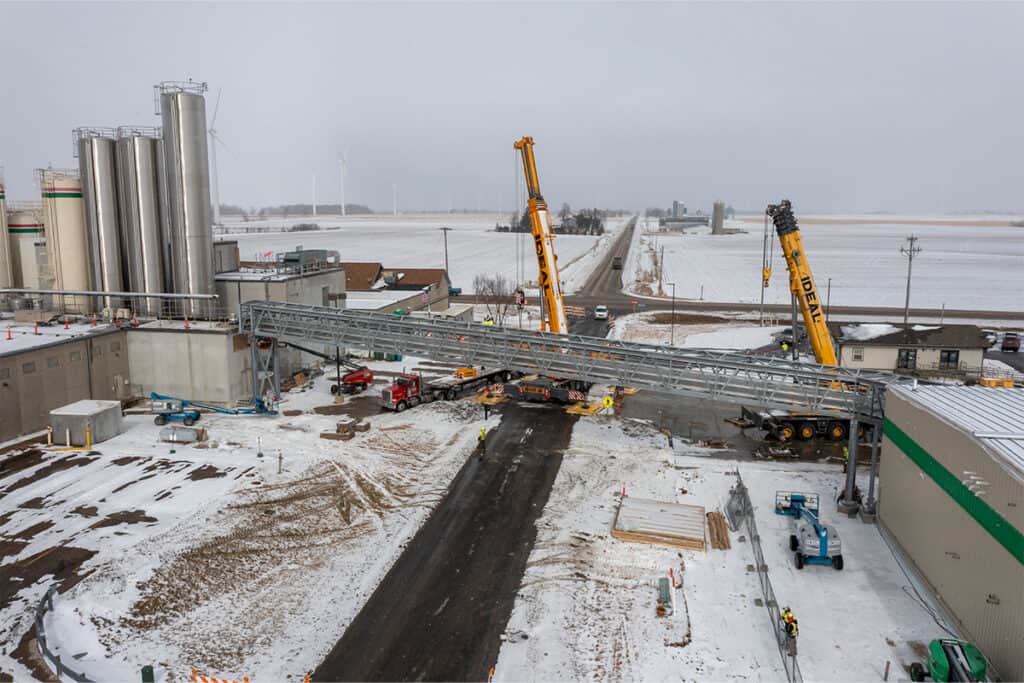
(952, 472)
(921, 350)
(41, 372)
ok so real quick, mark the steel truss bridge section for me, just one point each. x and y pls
(717, 375)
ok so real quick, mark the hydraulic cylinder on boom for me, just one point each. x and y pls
(554, 319)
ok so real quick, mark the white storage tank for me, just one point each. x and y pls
(97, 154)
(138, 159)
(102, 418)
(6, 271)
(64, 216)
(26, 231)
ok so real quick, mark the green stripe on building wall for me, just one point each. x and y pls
(62, 194)
(24, 231)
(991, 521)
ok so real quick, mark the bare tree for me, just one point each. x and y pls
(496, 293)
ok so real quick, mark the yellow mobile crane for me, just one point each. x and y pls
(553, 319)
(780, 424)
(801, 282)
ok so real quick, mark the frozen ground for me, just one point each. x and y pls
(586, 608)
(964, 264)
(415, 241)
(640, 327)
(207, 557)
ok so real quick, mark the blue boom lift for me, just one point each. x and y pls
(813, 542)
(171, 409)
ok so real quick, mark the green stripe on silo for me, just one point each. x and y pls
(991, 521)
(49, 195)
(22, 231)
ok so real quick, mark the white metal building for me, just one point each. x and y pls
(952, 478)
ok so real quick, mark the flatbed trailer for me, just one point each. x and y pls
(410, 390)
(782, 425)
(543, 389)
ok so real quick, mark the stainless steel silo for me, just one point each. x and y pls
(138, 158)
(186, 165)
(97, 161)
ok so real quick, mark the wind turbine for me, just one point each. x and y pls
(214, 139)
(343, 164)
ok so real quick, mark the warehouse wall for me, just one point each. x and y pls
(196, 364)
(973, 573)
(35, 381)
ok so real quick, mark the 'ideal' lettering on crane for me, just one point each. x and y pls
(811, 297)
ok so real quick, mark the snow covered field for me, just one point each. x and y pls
(640, 327)
(964, 264)
(205, 556)
(415, 241)
(586, 608)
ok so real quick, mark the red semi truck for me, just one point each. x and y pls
(410, 390)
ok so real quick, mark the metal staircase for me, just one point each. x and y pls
(729, 376)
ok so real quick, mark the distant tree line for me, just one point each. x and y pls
(288, 210)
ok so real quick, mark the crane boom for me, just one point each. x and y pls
(547, 262)
(801, 282)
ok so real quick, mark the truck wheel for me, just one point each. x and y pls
(799, 559)
(836, 431)
(402, 405)
(506, 376)
(917, 672)
(786, 431)
(793, 542)
(415, 401)
(806, 431)
(837, 562)
(188, 421)
(362, 387)
(450, 395)
(160, 420)
(334, 389)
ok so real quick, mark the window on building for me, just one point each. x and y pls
(907, 359)
(76, 356)
(949, 360)
(5, 373)
(53, 362)
(28, 368)
(858, 353)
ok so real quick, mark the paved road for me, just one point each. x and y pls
(440, 611)
(1014, 360)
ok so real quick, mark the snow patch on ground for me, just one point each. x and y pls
(640, 327)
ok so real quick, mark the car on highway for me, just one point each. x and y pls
(1011, 342)
(600, 312)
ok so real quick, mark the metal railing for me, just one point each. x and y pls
(117, 305)
(61, 669)
(740, 511)
(718, 375)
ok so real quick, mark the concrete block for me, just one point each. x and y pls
(103, 418)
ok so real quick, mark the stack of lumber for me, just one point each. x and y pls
(650, 521)
(718, 531)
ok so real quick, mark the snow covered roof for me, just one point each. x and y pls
(887, 334)
(995, 417)
(371, 301)
(24, 337)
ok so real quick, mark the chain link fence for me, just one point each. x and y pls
(740, 512)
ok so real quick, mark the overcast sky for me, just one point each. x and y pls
(841, 107)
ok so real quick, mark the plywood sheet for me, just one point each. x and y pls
(650, 521)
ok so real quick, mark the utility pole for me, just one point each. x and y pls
(314, 194)
(661, 272)
(394, 199)
(910, 251)
(828, 299)
(672, 325)
(444, 231)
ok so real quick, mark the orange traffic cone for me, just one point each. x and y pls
(36, 329)
(9, 337)
(66, 326)
(186, 322)
(94, 320)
